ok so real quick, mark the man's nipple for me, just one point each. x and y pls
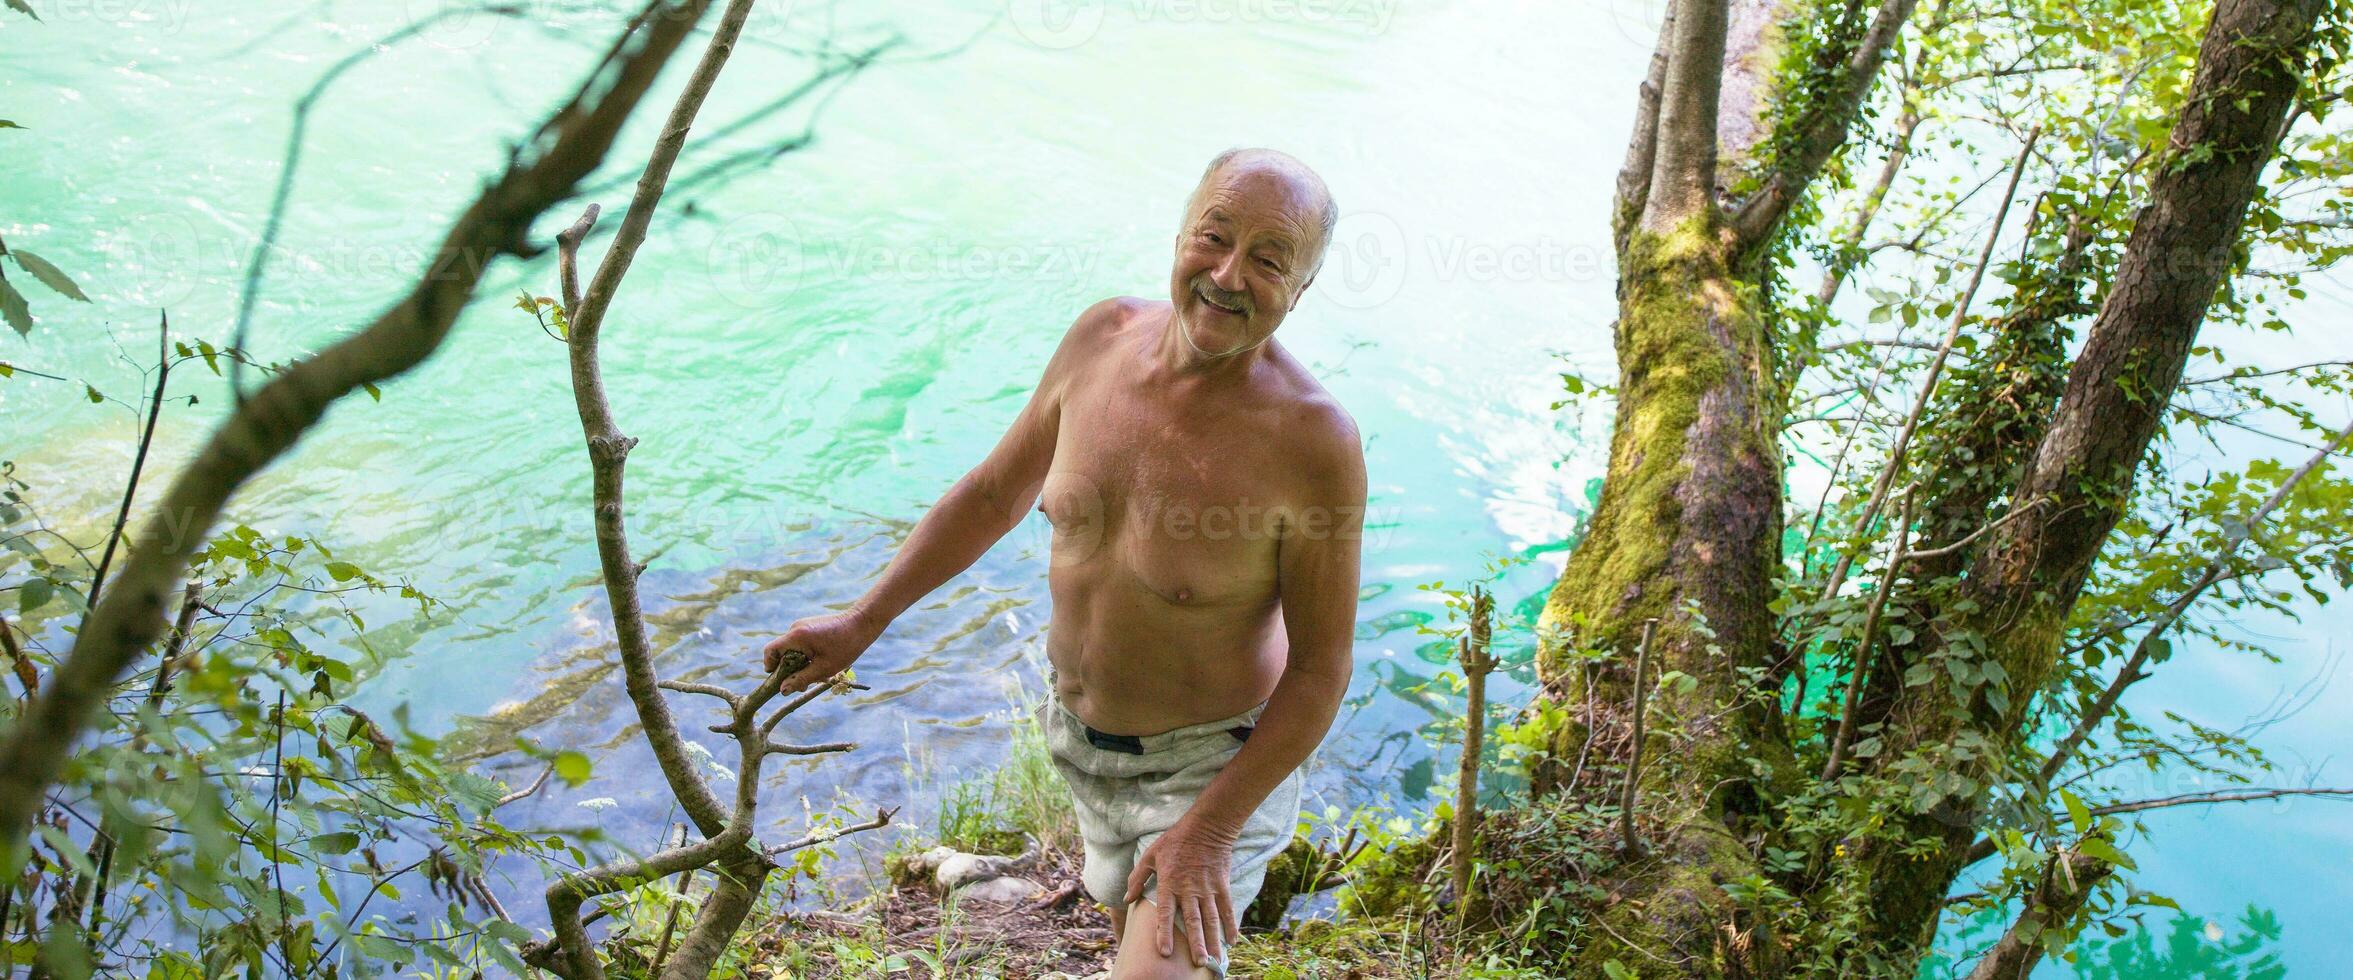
(1184, 594)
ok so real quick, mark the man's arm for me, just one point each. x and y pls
(1317, 566)
(979, 509)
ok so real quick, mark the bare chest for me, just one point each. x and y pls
(1184, 505)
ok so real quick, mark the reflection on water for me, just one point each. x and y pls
(2145, 947)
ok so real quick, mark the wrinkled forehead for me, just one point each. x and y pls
(1260, 194)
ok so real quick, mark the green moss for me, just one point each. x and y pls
(1673, 288)
(1318, 948)
(1392, 884)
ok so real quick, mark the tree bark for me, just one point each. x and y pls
(2066, 883)
(2026, 578)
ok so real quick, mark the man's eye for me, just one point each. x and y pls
(1212, 238)
(1271, 265)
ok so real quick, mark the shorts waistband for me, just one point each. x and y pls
(1238, 726)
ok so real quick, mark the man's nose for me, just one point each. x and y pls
(1228, 274)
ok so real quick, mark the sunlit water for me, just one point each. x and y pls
(815, 349)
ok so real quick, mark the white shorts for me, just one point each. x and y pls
(1128, 790)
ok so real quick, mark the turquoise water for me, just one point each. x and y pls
(812, 351)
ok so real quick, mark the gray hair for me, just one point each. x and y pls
(1327, 216)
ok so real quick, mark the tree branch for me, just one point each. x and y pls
(1814, 138)
(2216, 567)
(1683, 165)
(608, 448)
(1642, 147)
(564, 149)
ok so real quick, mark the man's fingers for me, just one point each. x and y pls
(1225, 915)
(1135, 880)
(1213, 929)
(1167, 922)
(1193, 930)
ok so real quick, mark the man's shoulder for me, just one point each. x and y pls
(1315, 427)
(1095, 334)
(1111, 317)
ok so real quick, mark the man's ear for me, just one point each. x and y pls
(1302, 293)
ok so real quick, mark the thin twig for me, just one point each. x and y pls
(1474, 650)
(1903, 439)
(2216, 567)
(122, 516)
(1631, 844)
(1862, 660)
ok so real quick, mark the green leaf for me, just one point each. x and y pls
(49, 274)
(374, 393)
(34, 595)
(6, 123)
(572, 767)
(343, 571)
(2077, 813)
(14, 310)
(2100, 848)
(340, 842)
(1617, 970)
(92, 391)
(20, 6)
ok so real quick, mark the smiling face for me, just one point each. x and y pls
(1252, 238)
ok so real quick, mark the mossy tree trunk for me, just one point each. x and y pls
(1688, 529)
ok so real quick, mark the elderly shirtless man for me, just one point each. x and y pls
(1207, 497)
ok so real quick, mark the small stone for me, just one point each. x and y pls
(1006, 890)
(957, 870)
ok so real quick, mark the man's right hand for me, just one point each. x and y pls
(833, 643)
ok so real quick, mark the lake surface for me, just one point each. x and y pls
(812, 351)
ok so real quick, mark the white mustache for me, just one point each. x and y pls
(1206, 288)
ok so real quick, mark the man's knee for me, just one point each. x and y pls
(1139, 950)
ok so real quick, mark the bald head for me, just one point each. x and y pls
(1307, 188)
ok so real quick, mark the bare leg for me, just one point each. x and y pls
(1139, 949)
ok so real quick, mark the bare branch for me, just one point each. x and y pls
(882, 818)
(526, 791)
(608, 448)
(569, 145)
(2221, 796)
(780, 748)
(1642, 148)
(1903, 439)
(2216, 568)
